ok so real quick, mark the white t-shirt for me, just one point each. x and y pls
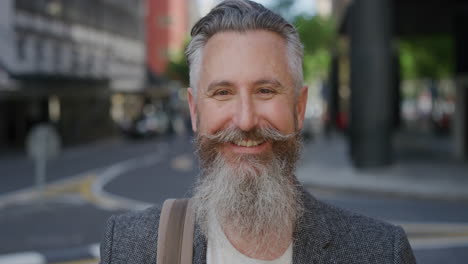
(221, 251)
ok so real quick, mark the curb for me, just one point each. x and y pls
(326, 166)
(85, 253)
(388, 193)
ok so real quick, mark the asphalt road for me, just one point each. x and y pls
(17, 171)
(73, 214)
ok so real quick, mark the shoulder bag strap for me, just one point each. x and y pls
(175, 233)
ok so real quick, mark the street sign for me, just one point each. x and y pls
(42, 143)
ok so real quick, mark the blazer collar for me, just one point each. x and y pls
(311, 235)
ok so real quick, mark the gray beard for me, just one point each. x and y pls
(256, 196)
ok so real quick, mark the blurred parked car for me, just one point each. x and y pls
(150, 123)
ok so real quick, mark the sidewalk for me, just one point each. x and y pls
(418, 172)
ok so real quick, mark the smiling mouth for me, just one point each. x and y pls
(248, 143)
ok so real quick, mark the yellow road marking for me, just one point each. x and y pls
(182, 163)
(81, 261)
(438, 235)
(82, 187)
(435, 230)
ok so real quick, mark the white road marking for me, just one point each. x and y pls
(113, 202)
(23, 258)
(105, 175)
(94, 250)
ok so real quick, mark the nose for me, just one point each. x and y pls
(245, 117)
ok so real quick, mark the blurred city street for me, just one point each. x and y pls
(94, 116)
(87, 184)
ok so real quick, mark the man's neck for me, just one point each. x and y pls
(269, 247)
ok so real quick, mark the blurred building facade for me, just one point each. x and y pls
(167, 26)
(61, 59)
(368, 68)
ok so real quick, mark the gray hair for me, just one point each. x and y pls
(242, 16)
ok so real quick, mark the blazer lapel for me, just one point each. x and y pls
(311, 235)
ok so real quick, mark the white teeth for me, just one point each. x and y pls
(248, 143)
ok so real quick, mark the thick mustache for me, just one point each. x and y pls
(261, 133)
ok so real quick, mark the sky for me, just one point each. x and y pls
(306, 6)
(301, 6)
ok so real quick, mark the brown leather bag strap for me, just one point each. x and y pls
(175, 233)
(187, 239)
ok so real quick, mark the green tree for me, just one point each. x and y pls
(177, 68)
(427, 57)
(318, 35)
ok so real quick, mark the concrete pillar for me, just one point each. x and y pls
(20, 121)
(333, 99)
(3, 126)
(461, 104)
(372, 83)
(460, 118)
(397, 87)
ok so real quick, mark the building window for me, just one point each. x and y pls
(75, 60)
(39, 7)
(22, 4)
(57, 55)
(90, 61)
(20, 48)
(54, 8)
(39, 52)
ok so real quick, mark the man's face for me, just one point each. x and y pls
(245, 83)
(246, 115)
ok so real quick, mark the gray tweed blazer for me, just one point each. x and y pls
(324, 234)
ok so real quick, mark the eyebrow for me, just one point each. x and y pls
(273, 82)
(216, 84)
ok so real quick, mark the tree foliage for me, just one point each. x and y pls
(177, 68)
(318, 35)
(427, 57)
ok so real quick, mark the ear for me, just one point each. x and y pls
(193, 111)
(301, 106)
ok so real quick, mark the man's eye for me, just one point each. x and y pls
(266, 92)
(222, 92)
